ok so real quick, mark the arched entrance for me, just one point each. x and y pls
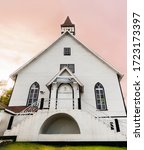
(60, 124)
(65, 96)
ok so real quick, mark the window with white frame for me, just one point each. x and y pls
(100, 97)
(70, 66)
(33, 93)
(67, 51)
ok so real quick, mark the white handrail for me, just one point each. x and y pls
(99, 118)
(30, 109)
(102, 112)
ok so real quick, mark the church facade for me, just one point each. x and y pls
(66, 93)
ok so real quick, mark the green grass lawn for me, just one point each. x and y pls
(37, 146)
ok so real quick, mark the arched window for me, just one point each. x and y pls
(100, 97)
(33, 93)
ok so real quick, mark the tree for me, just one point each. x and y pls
(6, 96)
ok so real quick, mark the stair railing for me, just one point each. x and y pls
(91, 109)
(29, 110)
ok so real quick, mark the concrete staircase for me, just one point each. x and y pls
(21, 129)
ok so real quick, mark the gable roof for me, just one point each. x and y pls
(59, 74)
(14, 74)
(65, 78)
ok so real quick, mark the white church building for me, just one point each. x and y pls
(66, 93)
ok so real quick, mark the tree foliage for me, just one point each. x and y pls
(6, 96)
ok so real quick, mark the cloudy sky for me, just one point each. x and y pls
(29, 26)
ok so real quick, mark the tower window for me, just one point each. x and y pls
(70, 66)
(67, 51)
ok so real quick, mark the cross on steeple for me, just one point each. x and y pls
(68, 26)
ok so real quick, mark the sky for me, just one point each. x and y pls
(29, 26)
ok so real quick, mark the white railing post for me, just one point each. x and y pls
(30, 109)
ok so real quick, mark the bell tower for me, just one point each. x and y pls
(68, 26)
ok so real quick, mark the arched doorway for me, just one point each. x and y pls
(60, 124)
(65, 96)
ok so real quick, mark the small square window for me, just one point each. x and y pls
(67, 51)
(70, 66)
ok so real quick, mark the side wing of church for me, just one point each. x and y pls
(66, 93)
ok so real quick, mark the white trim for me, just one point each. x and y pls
(13, 75)
(12, 112)
(99, 57)
(58, 75)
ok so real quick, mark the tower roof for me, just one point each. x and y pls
(67, 23)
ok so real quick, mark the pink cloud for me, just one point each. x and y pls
(30, 26)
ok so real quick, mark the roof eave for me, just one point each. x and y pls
(65, 68)
(120, 76)
(100, 58)
(14, 74)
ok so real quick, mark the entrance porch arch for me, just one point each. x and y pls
(65, 96)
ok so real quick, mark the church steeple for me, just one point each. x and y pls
(68, 26)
